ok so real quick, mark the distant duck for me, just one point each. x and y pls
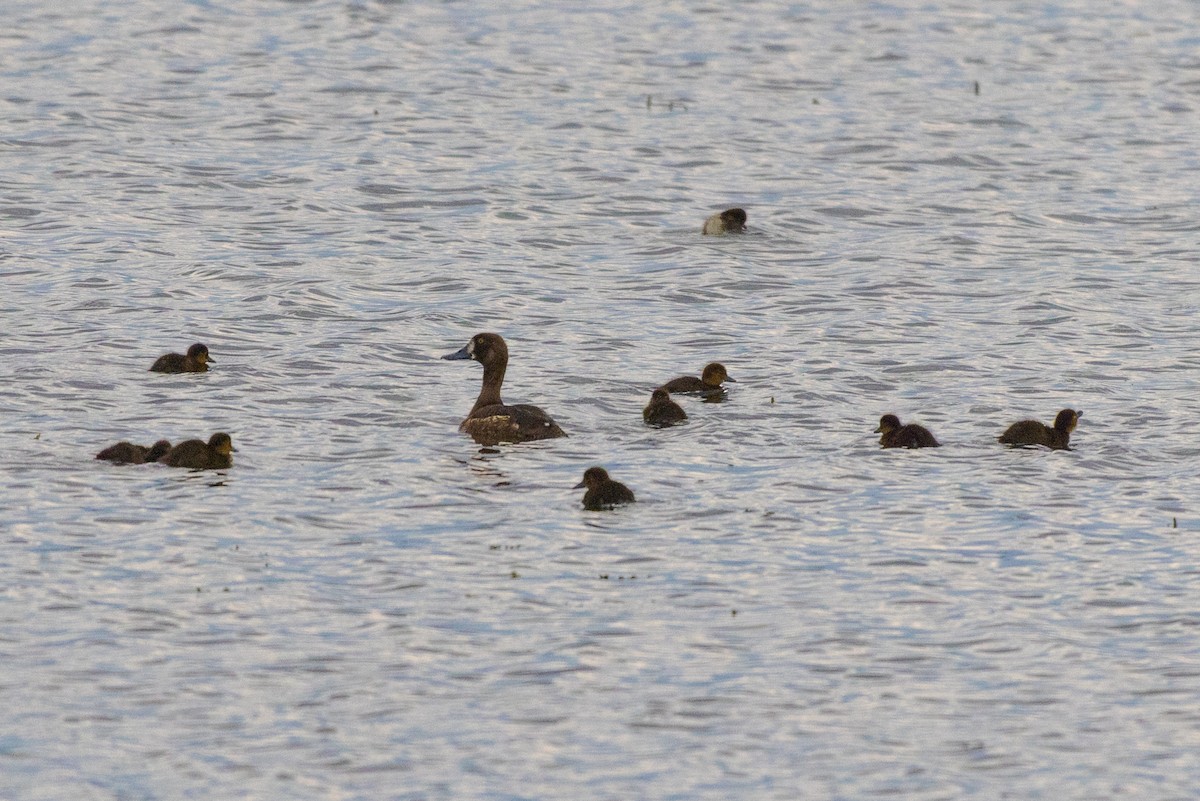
(909, 436)
(1031, 432)
(602, 492)
(490, 420)
(195, 361)
(708, 382)
(128, 453)
(663, 411)
(730, 221)
(197, 454)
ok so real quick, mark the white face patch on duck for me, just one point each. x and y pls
(471, 347)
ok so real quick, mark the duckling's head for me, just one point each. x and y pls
(1066, 420)
(734, 219)
(714, 374)
(887, 424)
(660, 395)
(222, 444)
(593, 477)
(199, 353)
(483, 348)
(158, 450)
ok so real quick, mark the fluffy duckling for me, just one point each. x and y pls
(196, 361)
(730, 221)
(708, 382)
(128, 453)
(663, 411)
(909, 436)
(602, 492)
(196, 454)
(1031, 432)
(490, 420)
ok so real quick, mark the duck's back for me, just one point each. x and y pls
(663, 413)
(123, 453)
(606, 495)
(523, 422)
(197, 455)
(170, 363)
(687, 383)
(910, 436)
(1032, 432)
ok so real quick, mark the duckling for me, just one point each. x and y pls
(730, 221)
(708, 382)
(490, 420)
(602, 492)
(196, 361)
(197, 454)
(128, 453)
(909, 436)
(663, 411)
(1031, 432)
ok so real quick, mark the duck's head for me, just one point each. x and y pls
(593, 477)
(158, 450)
(660, 395)
(714, 374)
(199, 353)
(734, 219)
(483, 348)
(222, 444)
(1066, 420)
(887, 424)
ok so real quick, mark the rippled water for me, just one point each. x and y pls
(332, 195)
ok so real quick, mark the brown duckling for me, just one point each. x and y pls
(909, 436)
(1031, 432)
(602, 492)
(197, 454)
(708, 382)
(128, 453)
(490, 420)
(196, 361)
(663, 411)
(730, 221)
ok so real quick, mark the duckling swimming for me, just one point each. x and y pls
(490, 420)
(197, 454)
(1031, 432)
(602, 492)
(730, 221)
(663, 411)
(708, 382)
(196, 361)
(909, 436)
(128, 453)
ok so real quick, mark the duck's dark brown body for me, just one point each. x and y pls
(1032, 432)
(194, 361)
(602, 492)
(662, 411)
(196, 454)
(904, 436)
(708, 382)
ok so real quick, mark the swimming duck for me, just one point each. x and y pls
(196, 361)
(128, 453)
(1031, 432)
(602, 492)
(197, 454)
(909, 436)
(730, 221)
(663, 411)
(490, 420)
(708, 382)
